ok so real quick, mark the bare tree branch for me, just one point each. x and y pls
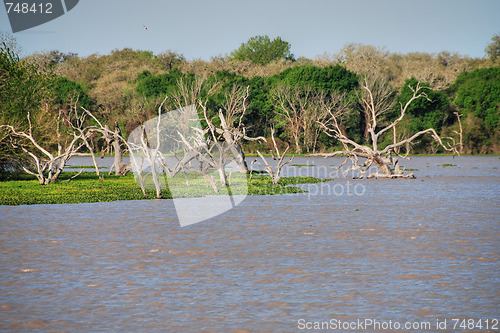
(276, 171)
(377, 100)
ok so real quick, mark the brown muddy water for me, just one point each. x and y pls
(415, 251)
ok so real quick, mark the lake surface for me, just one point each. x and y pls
(389, 250)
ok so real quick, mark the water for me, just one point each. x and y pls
(405, 250)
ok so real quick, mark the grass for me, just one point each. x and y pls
(87, 187)
(448, 165)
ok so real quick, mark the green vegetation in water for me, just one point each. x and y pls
(87, 187)
(448, 165)
(259, 172)
(408, 169)
(84, 167)
(262, 185)
(302, 165)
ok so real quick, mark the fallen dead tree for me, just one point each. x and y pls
(376, 99)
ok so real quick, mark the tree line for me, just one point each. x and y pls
(40, 93)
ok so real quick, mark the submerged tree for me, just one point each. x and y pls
(275, 172)
(376, 98)
(46, 162)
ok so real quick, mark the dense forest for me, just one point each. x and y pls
(39, 93)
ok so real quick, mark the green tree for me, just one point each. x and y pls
(170, 59)
(327, 79)
(259, 109)
(478, 94)
(68, 92)
(157, 85)
(493, 49)
(262, 50)
(23, 87)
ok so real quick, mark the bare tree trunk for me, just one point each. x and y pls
(211, 181)
(91, 151)
(239, 157)
(297, 144)
(460, 134)
(156, 181)
(382, 166)
(275, 172)
(121, 169)
(222, 177)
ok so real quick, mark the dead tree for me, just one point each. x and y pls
(215, 153)
(232, 128)
(196, 150)
(77, 121)
(209, 156)
(276, 171)
(375, 104)
(148, 146)
(208, 151)
(108, 139)
(460, 134)
(291, 103)
(48, 164)
(117, 141)
(301, 109)
(121, 169)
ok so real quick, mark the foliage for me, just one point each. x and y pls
(259, 108)
(157, 85)
(424, 113)
(68, 92)
(261, 111)
(478, 92)
(170, 59)
(262, 50)
(328, 78)
(23, 88)
(125, 85)
(49, 61)
(477, 95)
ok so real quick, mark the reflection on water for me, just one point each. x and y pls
(405, 250)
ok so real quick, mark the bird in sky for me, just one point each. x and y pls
(145, 28)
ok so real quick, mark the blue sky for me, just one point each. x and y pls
(205, 28)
